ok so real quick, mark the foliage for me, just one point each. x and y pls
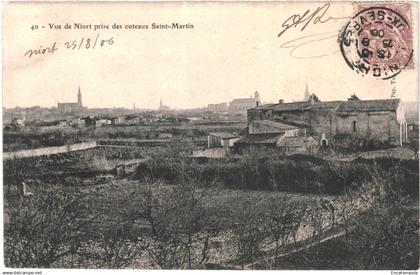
(353, 97)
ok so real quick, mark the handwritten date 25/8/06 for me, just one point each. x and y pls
(83, 43)
(87, 43)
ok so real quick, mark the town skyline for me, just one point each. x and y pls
(150, 106)
(187, 68)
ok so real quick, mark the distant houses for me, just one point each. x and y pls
(120, 120)
(292, 127)
(218, 145)
(218, 107)
(237, 105)
(241, 105)
(162, 107)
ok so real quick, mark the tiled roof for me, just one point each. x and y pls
(223, 135)
(259, 139)
(274, 124)
(302, 105)
(297, 124)
(326, 104)
(342, 106)
(369, 105)
(291, 106)
(267, 106)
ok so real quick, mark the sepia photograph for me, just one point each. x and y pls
(225, 135)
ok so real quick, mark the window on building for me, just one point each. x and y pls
(354, 126)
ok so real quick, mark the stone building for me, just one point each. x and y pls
(381, 121)
(272, 134)
(221, 139)
(218, 145)
(162, 107)
(72, 107)
(219, 107)
(241, 105)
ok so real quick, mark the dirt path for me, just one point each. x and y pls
(293, 251)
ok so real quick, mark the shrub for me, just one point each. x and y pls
(295, 173)
(44, 228)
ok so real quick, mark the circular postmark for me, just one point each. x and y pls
(377, 41)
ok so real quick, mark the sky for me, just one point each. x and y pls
(232, 51)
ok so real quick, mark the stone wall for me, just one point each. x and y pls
(322, 121)
(380, 126)
(50, 150)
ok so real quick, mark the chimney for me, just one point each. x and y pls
(281, 101)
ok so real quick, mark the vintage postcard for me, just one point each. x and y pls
(210, 135)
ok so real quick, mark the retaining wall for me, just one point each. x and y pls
(49, 150)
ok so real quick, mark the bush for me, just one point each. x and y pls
(295, 173)
(44, 228)
(385, 237)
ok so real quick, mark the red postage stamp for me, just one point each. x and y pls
(378, 40)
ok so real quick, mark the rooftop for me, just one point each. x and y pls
(341, 106)
(259, 139)
(369, 105)
(268, 126)
(290, 106)
(223, 135)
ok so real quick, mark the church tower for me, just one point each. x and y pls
(257, 96)
(79, 98)
(306, 93)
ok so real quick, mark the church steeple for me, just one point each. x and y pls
(79, 97)
(306, 93)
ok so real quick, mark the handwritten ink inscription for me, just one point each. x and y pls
(83, 43)
(308, 46)
(319, 15)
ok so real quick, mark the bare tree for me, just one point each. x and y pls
(384, 232)
(45, 228)
(282, 220)
(385, 237)
(316, 221)
(248, 229)
(114, 243)
(177, 221)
